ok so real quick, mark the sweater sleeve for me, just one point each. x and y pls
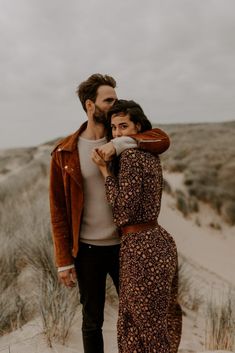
(122, 143)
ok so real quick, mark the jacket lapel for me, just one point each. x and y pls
(68, 148)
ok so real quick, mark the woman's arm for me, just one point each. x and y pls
(124, 193)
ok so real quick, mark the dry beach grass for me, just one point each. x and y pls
(29, 284)
(205, 154)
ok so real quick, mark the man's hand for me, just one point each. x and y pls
(68, 277)
(107, 151)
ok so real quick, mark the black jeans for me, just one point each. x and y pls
(93, 263)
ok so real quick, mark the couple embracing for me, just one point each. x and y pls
(105, 197)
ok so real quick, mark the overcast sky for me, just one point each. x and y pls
(175, 57)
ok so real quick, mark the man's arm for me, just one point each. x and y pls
(155, 141)
(60, 228)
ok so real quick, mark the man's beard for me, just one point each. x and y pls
(100, 117)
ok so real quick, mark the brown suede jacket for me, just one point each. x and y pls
(66, 190)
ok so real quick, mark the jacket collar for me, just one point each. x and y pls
(70, 143)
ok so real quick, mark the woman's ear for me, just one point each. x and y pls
(138, 126)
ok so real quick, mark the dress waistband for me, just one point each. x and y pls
(134, 228)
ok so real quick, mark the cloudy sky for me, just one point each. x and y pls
(175, 57)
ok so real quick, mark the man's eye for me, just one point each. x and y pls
(124, 127)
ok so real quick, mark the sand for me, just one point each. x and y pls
(209, 248)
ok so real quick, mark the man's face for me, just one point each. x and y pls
(105, 99)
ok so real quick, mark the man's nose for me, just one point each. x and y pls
(114, 101)
(111, 102)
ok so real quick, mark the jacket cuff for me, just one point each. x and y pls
(64, 268)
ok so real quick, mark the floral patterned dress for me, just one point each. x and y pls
(150, 318)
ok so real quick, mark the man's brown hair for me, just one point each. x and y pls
(88, 89)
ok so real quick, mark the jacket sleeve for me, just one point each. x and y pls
(155, 141)
(59, 221)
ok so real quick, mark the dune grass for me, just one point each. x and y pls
(205, 154)
(26, 248)
(189, 295)
(220, 324)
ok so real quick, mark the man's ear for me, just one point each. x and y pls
(89, 106)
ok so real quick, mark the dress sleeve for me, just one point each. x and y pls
(124, 192)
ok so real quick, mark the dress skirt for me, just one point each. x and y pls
(150, 318)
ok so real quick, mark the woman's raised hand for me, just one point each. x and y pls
(102, 164)
(107, 151)
(96, 157)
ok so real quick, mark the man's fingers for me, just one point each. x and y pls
(68, 277)
(74, 275)
(70, 284)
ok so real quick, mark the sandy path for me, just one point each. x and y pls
(209, 248)
(29, 339)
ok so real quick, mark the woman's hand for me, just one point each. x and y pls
(107, 151)
(97, 159)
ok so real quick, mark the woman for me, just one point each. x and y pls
(150, 317)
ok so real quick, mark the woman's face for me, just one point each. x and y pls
(121, 125)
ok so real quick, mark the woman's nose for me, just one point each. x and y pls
(118, 133)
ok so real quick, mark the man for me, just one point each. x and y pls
(80, 216)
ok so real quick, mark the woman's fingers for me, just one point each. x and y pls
(97, 158)
(107, 151)
(94, 156)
